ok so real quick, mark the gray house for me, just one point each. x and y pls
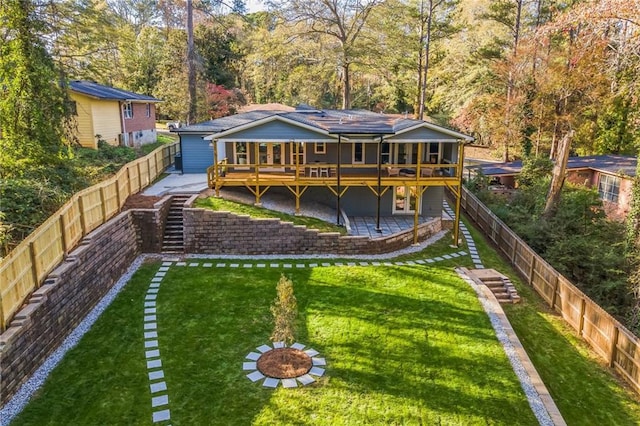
(367, 164)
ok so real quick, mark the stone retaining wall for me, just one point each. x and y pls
(65, 298)
(150, 224)
(212, 232)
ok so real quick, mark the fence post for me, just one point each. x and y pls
(583, 308)
(103, 205)
(63, 235)
(117, 181)
(129, 179)
(83, 217)
(614, 346)
(555, 292)
(532, 267)
(34, 264)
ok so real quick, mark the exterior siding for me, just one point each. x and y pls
(84, 133)
(422, 134)
(140, 129)
(197, 155)
(106, 120)
(275, 130)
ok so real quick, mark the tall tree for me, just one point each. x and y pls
(342, 20)
(191, 67)
(34, 107)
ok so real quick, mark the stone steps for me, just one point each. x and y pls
(173, 238)
(500, 285)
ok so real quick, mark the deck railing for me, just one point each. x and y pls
(610, 339)
(24, 269)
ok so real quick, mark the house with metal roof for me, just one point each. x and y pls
(363, 163)
(612, 175)
(116, 116)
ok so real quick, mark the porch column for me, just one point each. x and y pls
(378, 229)
(456, 223)
(295, 147)
(256, 169)
(338, 181)
(215, 166)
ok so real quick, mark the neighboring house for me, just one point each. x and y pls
(612, 175)
(116, 116)
(369, 164)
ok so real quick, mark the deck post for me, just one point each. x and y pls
(378, 229)
(456, 223)
(256, 169)
(296, 149)
(215, 167)
(418, 195)
(338, 181)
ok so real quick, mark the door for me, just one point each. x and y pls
(270, 156)
(405, 154)
(405, 199)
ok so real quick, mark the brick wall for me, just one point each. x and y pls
(64, 299)
(210, 232)
(150, 225)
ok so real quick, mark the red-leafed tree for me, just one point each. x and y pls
(221, 101)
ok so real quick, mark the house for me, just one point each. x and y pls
(367, 164)
(116, 116)
(612, 175)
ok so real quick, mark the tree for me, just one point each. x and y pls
(35, 111)
(341, 20)
(222, 102)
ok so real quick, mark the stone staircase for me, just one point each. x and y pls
(173, 238)
(500, 285)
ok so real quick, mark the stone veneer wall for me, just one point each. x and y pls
(212, 232)
(65, 298)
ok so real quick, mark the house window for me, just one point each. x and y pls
(609, 188)
(127, 110)
(385, 153)
(240, 149)
(358, 153)
(148, 110)
(73, 107)
(297, 148)
(320, 148)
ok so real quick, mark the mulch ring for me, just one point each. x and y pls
(284, 363)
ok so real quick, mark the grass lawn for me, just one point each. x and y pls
(584, 389)
(403, 344)
(220, 204)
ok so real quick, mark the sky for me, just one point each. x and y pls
(254, 5)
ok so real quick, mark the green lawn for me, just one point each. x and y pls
(585, 391)
(220, 204)
(403, 344)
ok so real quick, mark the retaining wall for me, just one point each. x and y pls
(70, 291)
(213, 232)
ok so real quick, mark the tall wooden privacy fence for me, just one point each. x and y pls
(606, 335)
(26, 266)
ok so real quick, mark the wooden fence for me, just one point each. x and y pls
(610, 339)
(26, 266)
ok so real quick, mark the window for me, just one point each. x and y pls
(320, 148)
(358, 153)
(609, 188)
(148, 110)
(385, 152)
(73, 107)
(240, 149)
(297, 148)
(127, 110)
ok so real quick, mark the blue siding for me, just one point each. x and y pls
(423, 134)
(197, 155)
(278, 130)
